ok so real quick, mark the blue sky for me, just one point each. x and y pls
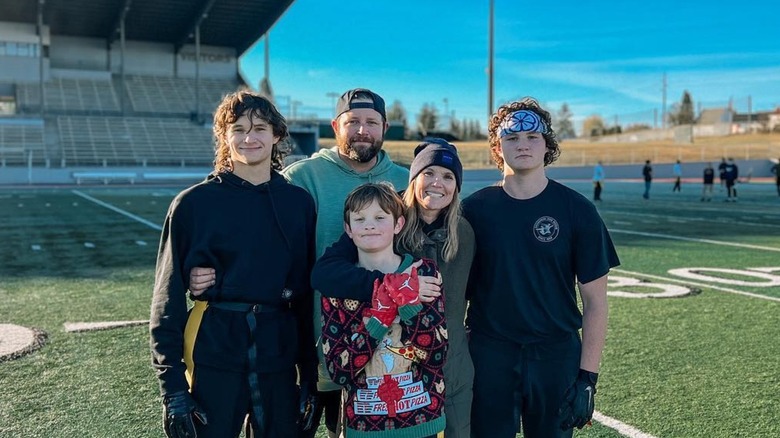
(606, 58)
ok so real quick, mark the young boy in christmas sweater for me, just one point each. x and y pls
(388, 353)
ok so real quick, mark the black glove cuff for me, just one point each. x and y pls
(587, 376)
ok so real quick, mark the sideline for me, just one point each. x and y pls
(118, 210)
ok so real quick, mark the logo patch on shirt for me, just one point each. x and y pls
(546, 229)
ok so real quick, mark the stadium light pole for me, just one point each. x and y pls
(333, 95)
(41, 4)
(490, 59)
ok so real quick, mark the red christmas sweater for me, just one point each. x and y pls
(395, 384)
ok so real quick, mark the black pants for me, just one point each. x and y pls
(677, 185)
(224, 397)
(597, 191)
(515, 383)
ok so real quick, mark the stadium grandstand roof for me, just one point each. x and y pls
(224, 23)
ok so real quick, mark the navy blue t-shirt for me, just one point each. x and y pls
(530, 253)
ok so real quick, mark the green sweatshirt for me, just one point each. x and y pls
(328, 179)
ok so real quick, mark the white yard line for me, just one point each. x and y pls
(719, 221)
(622, 428)
(103, 325)
(693, 283)
(118, 210)
(691, 239)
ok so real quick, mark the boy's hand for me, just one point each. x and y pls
(383, 311)
(201, 279)
(577, 408)
(382, 306)
(403, 288)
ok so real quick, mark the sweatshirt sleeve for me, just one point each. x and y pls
(345, 340)
(169, 306)
(336, 275)
(304, 308)
(427, 330)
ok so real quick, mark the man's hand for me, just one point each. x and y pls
(179, 413)
(578, 403)
(201, 279)
(307, 405)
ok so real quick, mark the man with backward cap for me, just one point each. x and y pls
(535, 239)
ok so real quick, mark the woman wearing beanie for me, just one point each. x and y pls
(435, 229)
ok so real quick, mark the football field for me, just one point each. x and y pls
(692, 348)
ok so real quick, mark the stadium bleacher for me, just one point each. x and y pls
(89, 96)
(18, 139)
(115, 109)
(144, 141)
(160, 94)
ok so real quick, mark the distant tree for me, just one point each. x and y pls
(564, 128)
(427, 119)
(593, 126)
(476, 129)
(682, 113)
(396, 112)
(637, 127)
(456, 128)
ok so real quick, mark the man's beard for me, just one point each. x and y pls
(361, 154)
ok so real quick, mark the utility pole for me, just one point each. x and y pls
(750, 114)
(663, 103)
(490, 60)
(294, 105)
(333, 95)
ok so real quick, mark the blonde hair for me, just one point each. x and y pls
(412, 236)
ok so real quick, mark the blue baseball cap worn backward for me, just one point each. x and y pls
(436, 151)
(521, 121)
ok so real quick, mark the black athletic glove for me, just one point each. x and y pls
(577, 408)
(179, 409)
(307, 405)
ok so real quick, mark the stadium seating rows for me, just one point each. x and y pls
(91, 130)
(79, 95)
(17, 140)
(111, 141)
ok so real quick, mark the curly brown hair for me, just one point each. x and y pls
(526, 103)
(233, 106)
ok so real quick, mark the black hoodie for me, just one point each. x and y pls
(260, 240)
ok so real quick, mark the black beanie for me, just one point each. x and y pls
(436, 152)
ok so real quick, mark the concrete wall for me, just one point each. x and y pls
(22, 68)
(78, 53)
(157, 175)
